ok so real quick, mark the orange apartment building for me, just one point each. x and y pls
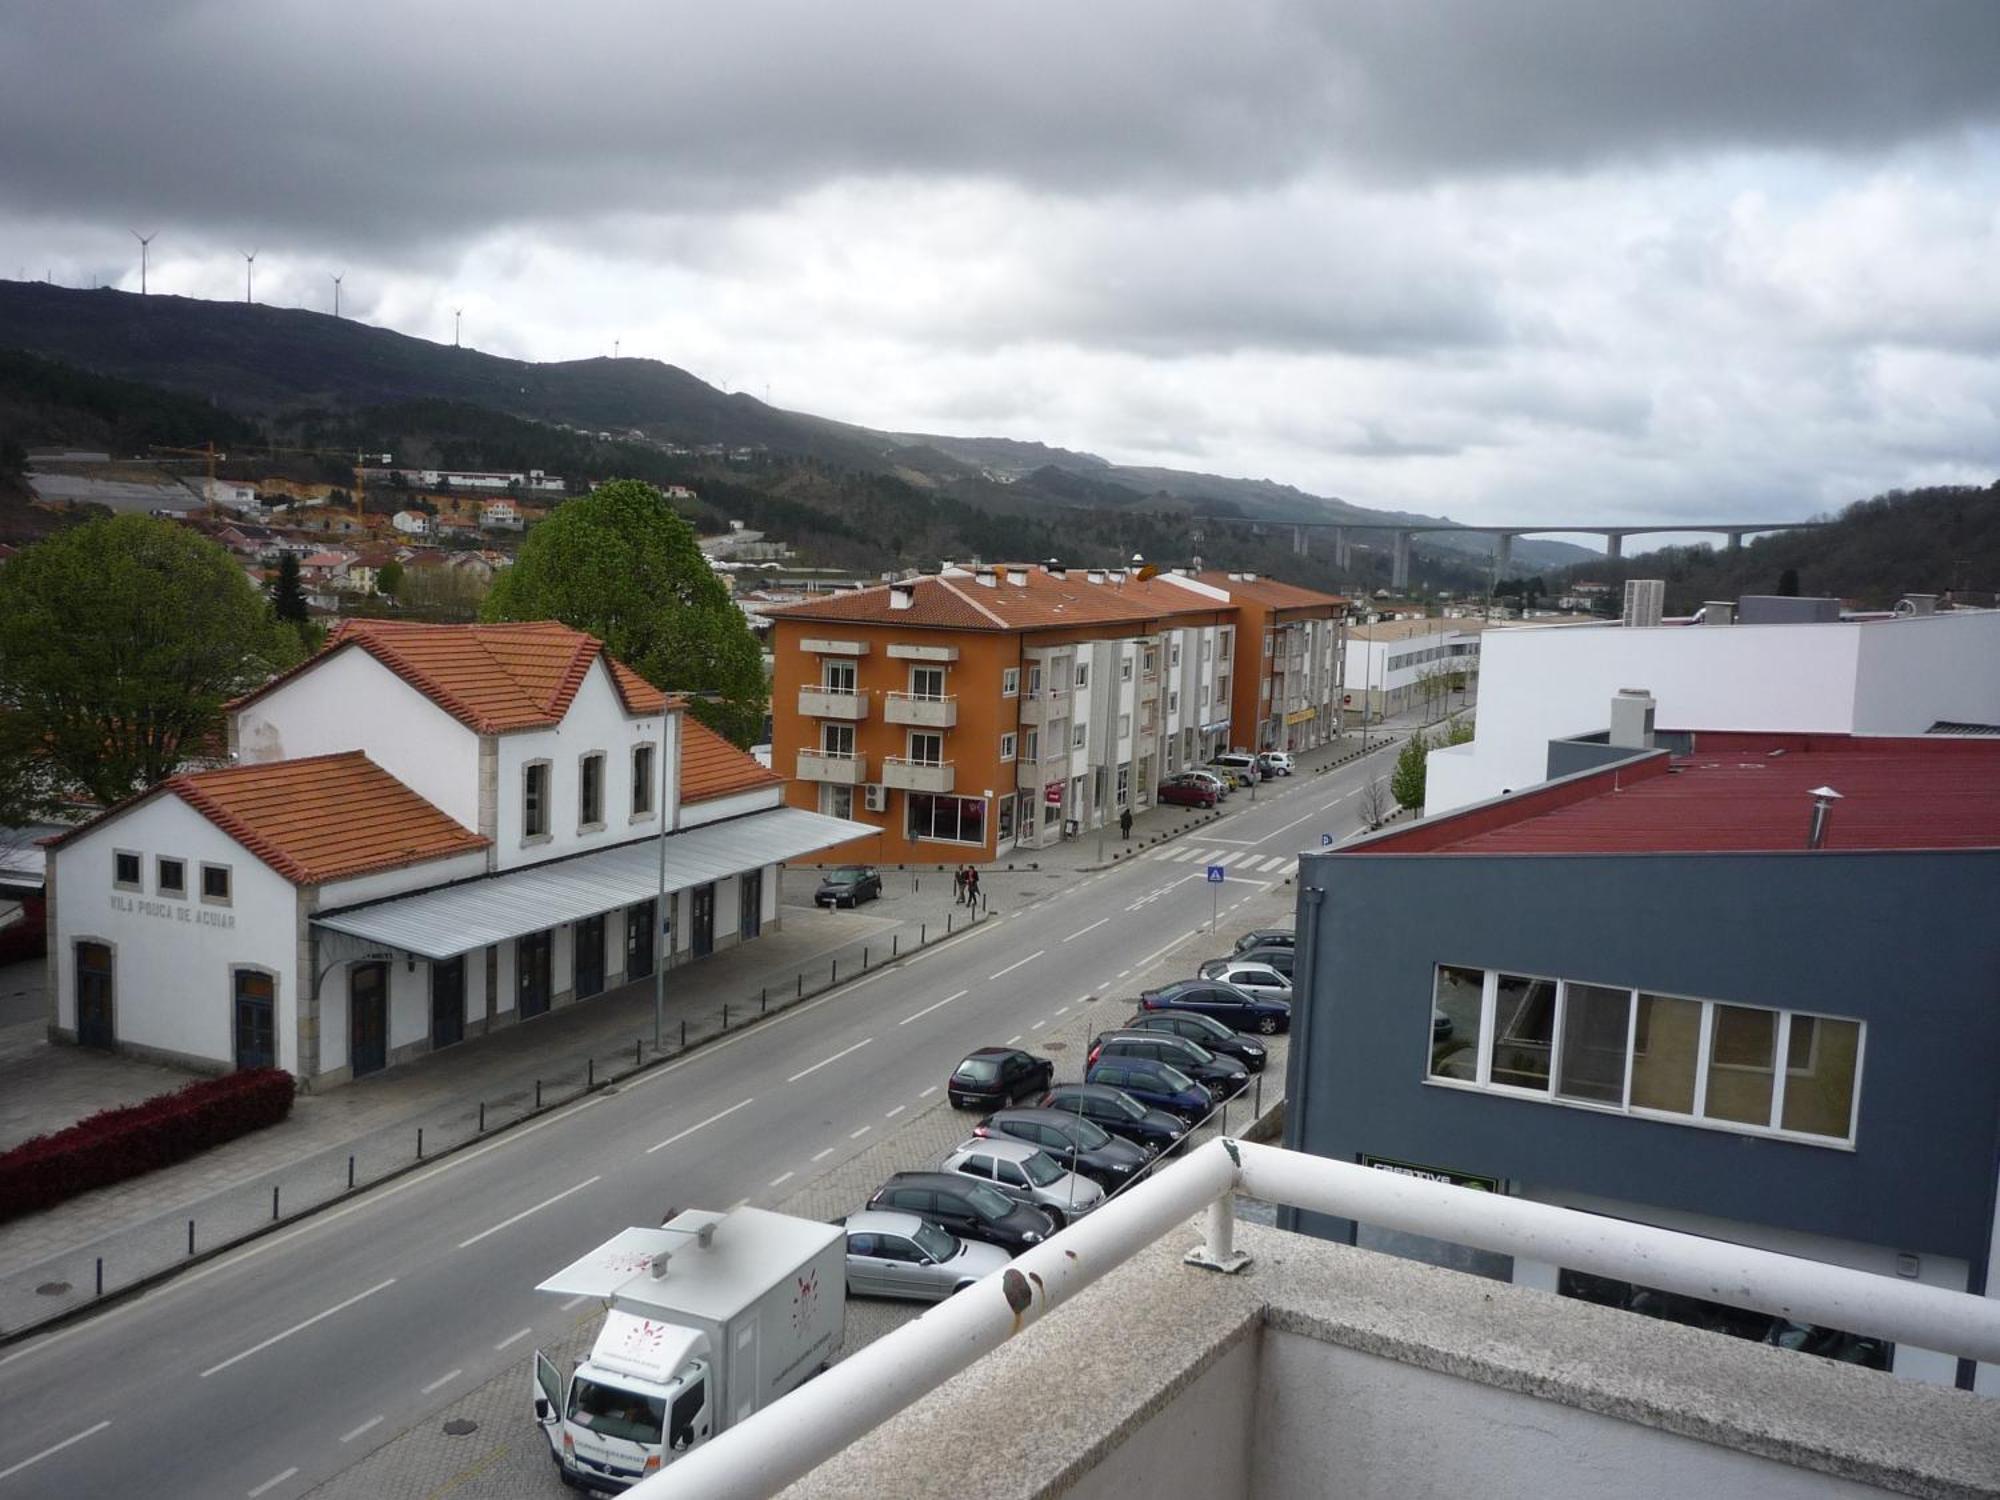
(1288, 679)
(983, 709)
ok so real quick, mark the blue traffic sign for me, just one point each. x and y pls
(1325, 839)
(1216, 874)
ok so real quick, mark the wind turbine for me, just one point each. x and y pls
(336, 293)
(144, 240)
(249, 261)
(456, 314)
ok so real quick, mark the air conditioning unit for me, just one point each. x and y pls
(875, 797)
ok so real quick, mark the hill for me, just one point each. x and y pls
(1944, 540)
(267, 362)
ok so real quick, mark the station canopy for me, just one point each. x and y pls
(449, 920)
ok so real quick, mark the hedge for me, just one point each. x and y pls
(135, 1138)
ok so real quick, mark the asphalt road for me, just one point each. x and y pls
(275, 1367)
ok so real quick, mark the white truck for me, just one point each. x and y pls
(709, 1318)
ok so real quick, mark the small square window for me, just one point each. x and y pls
(1125, 670)
(170, 875)
(1010, 681)
(126, 870)
(1078, 737)
(1083, 674)
(1006, 747)
(215, 884)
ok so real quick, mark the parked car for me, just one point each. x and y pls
(904, 1255)
(1118, 1112)
(850, 885)
(1223, 1077)
(1230, 776)
(1157, 1085)
(1188, 791)
(1237, 1009)
(1276, 763)
(1080, 1144)
(971, 1210)
(1277, 957)
(1223, 787)
(1267, 937)
(1025, 1172)
(1258, 978)
(997, 1076)
(1241, 762)
(1209, 1032)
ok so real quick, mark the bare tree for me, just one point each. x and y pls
(1373, 803)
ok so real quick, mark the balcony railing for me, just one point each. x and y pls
(1032, 775)
(841, 767)
(917, 775)
(818, 701)
(1045, 707)
(920, 709)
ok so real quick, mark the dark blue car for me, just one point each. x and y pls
(1154, 1084)
(1237, 1009)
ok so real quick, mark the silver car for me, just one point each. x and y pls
(1028, 1173)
(902, 1255)
(1259, 978)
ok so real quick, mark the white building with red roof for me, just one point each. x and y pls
(427, 831)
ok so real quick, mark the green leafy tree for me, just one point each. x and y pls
(389, 578)
(622, 565)
(120, 640)
(288, 593)
(1788, 583)
(1406, 782)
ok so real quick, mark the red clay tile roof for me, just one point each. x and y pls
(319, 818)
(1733, 793)
(492, 678)
(1270, 592)
(959, 601)
(712, 767)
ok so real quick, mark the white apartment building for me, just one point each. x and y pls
(428, 831)
(1389, 664)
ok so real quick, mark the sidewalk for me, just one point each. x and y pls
(350, 1138)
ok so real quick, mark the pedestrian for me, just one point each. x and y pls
(958, 886)
(971, 886)
(1125, 825)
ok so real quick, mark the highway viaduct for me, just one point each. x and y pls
(1503, 546)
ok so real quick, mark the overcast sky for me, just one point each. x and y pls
(1507, 260)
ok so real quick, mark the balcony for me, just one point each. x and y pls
(1045, 707)
(841, 768)
(917, 775)
(1033, 775)
(817, 701)
(920, 710)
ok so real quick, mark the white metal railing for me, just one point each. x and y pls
(789, 1439)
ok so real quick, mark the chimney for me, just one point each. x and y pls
(1917, 605)
(1632, 719)
(1018, 577)
(1095, 575)
(1822, 814)
(1055, 570)
(902, 595)
(987, 578)
(1718, 612)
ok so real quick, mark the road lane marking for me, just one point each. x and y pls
(373, 1422)
(517, 1218)
(1038, 1025)
(929, 1008)
(825, 1061)
(703, 1125)
(855, 1135)
(1011, 1040)
(273, 1482)
(781, 1179)
(298, 1327)
(54, 1448)
(1122, 973)
(1018, 963)
(1082, 930)
(819, 1156)
(512, 1338)
(896, 1111)
(928, 1092)
(1237, 841)
(441, 1380)
(1063, 1010)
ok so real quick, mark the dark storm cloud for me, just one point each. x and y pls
(412, 123)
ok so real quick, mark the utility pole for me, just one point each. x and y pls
(144, 240)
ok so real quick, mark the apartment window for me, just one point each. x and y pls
(1207, 647)
(951, 820)
(1227, 639)
(1124, 669)
(1173, 700)
(1010, 681)
(1710, 1062)
(127, 870)
(1124, 726)
(1124, 784)
(1006, 747)
(1031, 744)
(1034, 681)
(837, 740)
(1078, 736)
(535, 800)
(1083, 674)
(836, 801)
(1152, 662)
(1006, 815)
(927, 749)
(642, 780)
(590, 790)
(170, 876)
(1174, 657)
(836, 676)
(215, 884)
(927, 682)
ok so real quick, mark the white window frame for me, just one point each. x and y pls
(830, 732)
(1010, 682)
(838, 674)
(1007, 744)
(829, 794)
(1082, 675)
(1124, 669)
(228, 896)
(910, 747)
(160, 862)
(645, 787)
(138, 881)
(1079, 736)
(925, 672)
(586, 822)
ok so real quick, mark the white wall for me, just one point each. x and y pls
(172, 957)
(339, 893)
(350, 701)
(596, 721)
(715, 809)
(1914, 672)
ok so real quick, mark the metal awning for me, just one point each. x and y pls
(455, 919)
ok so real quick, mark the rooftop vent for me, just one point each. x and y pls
(1917, 605)
(1822, 814)
(1718, 612)
(902, 595)
(987, 578)
(1018, 577)
(1055, 570)
(1632, 719)
(1095, 575)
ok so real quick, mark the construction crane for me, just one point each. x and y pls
(357, 458)
(209, 452)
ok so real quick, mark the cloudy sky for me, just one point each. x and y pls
(1500, 259)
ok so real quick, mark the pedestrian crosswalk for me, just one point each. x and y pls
(1238, 862)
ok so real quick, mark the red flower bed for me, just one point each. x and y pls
(121, 1143)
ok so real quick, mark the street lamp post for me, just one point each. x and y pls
(662, 932)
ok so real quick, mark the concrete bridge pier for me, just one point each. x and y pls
(1614, 545)
(1299, 541)
(1735, 540)
(1399, 567)
(1343, 552)
(1503, 553)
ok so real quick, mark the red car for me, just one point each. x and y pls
(1188, 791)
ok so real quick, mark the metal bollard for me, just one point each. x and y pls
(589, 1073)
(947, 924)
(190, 1236)
(420, 1143)
(350, 1172)
(100, 1276)
(763, 999)
(274, 1201)
(482, 1117)
(538, 1093)
(833, 972)
(638, 1051)
(798, 986)
(864, 958)
(923, 933)
(725, 1015)
(684, 1034)
(1257, 1097)
(894, 946)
